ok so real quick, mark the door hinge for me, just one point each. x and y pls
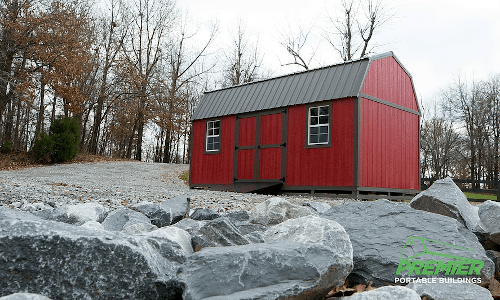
(283, 145)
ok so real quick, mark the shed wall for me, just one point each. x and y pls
(388, 81)
(213, 168)
(389, 147)
(330, 166)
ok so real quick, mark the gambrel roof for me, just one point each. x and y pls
(326, 83)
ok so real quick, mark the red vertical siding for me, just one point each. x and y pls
(270, 163)
(246, 164)
(331, 166)
(213, 168)
(246, 132)
(389, 151)
(387, 80)
(270, 129)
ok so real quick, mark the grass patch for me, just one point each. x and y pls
(185, 177)
(481, 196)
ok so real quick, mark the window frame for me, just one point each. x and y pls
(308, 126)
(205, 150)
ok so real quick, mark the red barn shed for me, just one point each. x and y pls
(350, 128)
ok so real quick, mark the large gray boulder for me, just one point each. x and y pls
(489, 214)
(240, 219)
(385, 293)
(379, 230)
(213, 233)
(284, 270)
(444, 197)
(317, 207)
(178, 207)
(276, 210)
(64, 261)
(204, 214)
(78, 214)
(167, 212)
(313, 229)
(158, 216)
(138, 228)
(24, 296)
(455, 291)
(119, 219)
(173, 234)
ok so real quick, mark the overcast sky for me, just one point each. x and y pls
(436, 40)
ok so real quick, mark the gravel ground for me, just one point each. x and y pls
(116, 185)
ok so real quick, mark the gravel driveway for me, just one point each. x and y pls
(116, 185)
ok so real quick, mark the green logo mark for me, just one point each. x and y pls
(449, 264)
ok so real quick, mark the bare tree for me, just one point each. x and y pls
(466, 103)
(114, 30)
(351, 34)
(439, 145)
(184, 64)
(152, 20)
(243, 62)
(294, 41)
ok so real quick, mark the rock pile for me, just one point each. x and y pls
(70, 254)
(277, 250)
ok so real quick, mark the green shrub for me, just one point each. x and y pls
(6, 147)
(60, 144)
(65, 133)
(43, 148)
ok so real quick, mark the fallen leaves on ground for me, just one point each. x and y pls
(345, 290)
(17, 160)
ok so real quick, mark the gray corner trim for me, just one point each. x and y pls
(364, 77)
(256, 167)
(190, 154)
(389, 104)
(236, 144)
(411, 80)
(357, 141)
(415, 94)
(284, 140)
(419, 163)
(401, 65)
(381, 55)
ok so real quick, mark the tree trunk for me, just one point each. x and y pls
(41, 110)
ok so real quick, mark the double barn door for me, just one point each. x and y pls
(260, 147)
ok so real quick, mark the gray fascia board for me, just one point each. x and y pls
(360, 78)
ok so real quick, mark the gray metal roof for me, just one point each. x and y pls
(326, 83)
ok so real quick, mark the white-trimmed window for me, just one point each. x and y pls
(318, 125)
(213, 136)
